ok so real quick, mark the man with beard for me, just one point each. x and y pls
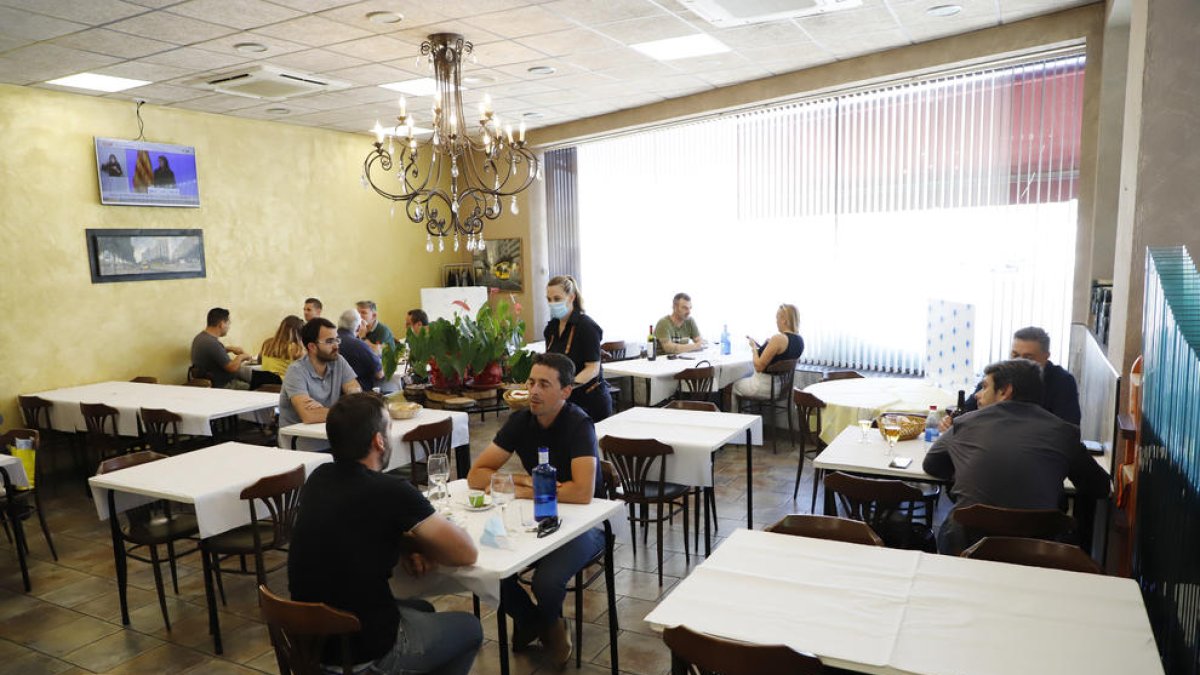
(315, 381)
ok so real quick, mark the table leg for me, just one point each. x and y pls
(502, 637)
(707, 526)
(649, 403)
(609, 585)
(462, 460)
(122, 566)
(214, 622)
(749, 484)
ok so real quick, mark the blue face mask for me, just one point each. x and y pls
(558, 310)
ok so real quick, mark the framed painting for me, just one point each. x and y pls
(499, 265)
(145, 255)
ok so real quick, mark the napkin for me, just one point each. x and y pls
(495, 534)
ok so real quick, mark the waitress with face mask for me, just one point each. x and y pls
(574, 334)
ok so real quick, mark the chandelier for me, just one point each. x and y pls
(455, 179)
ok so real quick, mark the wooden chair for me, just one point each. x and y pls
(275, 496)
(146, 527)
(843, 375)
(145, 379)
(695, 384)
(783, 374)
(614, 351)
(36, 412)
(695, 653)
(270, 388)
(15, 503)
(703, 406)
(11, 514)
(102, 440)
(198, 382)
(827, 527)
(887, 506)
(981, 520)
(635, 461)
(808, 407)
(1034, 553)
(426, 440)
(159, 430)
(299, 630)
(710, 500)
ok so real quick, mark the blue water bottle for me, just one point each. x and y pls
(726, 347)
(545, 487)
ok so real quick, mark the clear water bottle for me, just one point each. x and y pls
(545, 487)
(932, 421)
(726, 346)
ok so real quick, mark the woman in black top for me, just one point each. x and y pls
(572, 333)
(784, 345)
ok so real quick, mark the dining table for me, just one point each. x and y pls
(872, 609)
(847, 401)
(658, 375)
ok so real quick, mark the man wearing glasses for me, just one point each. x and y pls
(315, 381)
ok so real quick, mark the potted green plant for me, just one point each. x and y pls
(469, 350)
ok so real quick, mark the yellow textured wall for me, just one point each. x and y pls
(283, 215)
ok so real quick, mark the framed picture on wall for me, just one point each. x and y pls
(145, 255)
(499, 264)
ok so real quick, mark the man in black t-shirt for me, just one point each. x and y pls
(354, 524)
(568, 433)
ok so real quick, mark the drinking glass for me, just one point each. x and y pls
(503, 492)
(865, 427)
(891, 431)
(439, 472)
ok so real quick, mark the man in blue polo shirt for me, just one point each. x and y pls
(315, 381)
(566, 430)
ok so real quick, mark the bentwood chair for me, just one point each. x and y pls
(641, 466)
(160, 431)
(981, 520)
(299, 631)
(146, 527)
(614, 351)
(434, 438)
(15, 504)
(695, 653)
(826, 527)
(1034, 553)
(11, 514)
(696, 383)
(808, 417)
(102, 441)
(887, 506)
(36, 411)
(710, 497)
(201, 382)
(783, 374)
(272, 502)
(145, 379)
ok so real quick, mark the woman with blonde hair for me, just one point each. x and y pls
(782, 346)
(572, 333)
(278, 352)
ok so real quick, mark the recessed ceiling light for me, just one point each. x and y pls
(424, 86)
(96, 82)
(700, 44)
(250, 47)
(278, 111)
(541, 70)
(943, 10)
(384, 17)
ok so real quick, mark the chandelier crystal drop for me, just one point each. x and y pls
(455, 179)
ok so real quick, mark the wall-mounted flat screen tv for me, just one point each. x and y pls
(140, 173)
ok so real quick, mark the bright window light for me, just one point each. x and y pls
(424, 86)
(95, 82)
(700, 44)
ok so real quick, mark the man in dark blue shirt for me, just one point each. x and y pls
(367, 366)
(567, 432)
(1060, 395)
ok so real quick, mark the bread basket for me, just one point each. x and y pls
(517, 399)
(911, 426)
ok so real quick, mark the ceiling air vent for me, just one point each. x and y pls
(267, 82)
(726, 13)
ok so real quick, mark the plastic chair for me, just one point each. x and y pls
(14, 503)
(826, 527)
(693, 652)
(783, 374)
(808, 407)
(299, 630)
(1034, 553)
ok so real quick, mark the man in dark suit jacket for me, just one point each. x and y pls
(1011, 452)
(1060, 395)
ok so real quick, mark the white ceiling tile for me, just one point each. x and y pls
(316, 61)
(243, 14)
(174, 28)
(646, 29)
(112, 43)
(218, 103)
(520, 71)
(798, 60)
(593, 12)
(473, 34)
(156, 4)
(18, 23)
(44, 61)
(921, 27)
(312, 5)
(761, 34)
(520, 22)
(227, 45)
(639, 71)
(1016, 10)
(414, 13)
(872, 17)
(370, 74)
(295, 106)
(848, 46)
(612, 58)
(165, 93)
(505, 53)
(512, 89)
(552, 98)
(376, 48)
(465, 9)
(91, 12)
(573, 41)
(723, 61)
(721, 78)
(314, 31)
(368, 94)
(142, 70)
(8, 43)
(198, 60)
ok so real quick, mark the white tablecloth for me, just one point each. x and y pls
(494, 564)
(693, 434)
(847, 401)
(198, 406)
(847, 452)
(881, 610)
(401, 455)
(15, 470)
(661, 371)
(211, 478)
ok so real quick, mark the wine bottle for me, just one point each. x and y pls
(545, 487)
(651, 345)
(962, 403)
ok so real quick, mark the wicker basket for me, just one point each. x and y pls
(911, 426)
(518, 402)
(404, 413)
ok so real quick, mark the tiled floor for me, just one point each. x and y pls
(70, 623)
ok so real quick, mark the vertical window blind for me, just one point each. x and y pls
(858, 208)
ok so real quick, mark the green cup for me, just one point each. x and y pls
(476, 498)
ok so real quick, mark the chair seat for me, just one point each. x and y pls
(241, 540)
(670, 491)
(162, 530)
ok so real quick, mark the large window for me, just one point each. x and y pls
(858, 208)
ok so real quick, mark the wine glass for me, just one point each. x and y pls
(438, 469)
(891, 431)
(503, 492)
(864, 426)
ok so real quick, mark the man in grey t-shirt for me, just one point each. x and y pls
(315, 381)
(210, 358)
(677, 333)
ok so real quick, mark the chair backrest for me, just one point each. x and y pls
(271, 387)
(429, 439)
(615, 350)
(160, 428)
(609, 480)
(634, 458)
(1034, 553)
(697, 382)
(886, 505)
(198, 382)
(703, 406)
(139, 514)
(299, 630)
(981, 520)
(827, 527)
(701, 654)
(101, 419)
(145, 379)
(36, 411)
(783, 374)
(9, 438)
(808, 406)
(280, 495)
(843, 375)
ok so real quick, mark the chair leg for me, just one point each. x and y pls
(7, 532)
(659, 523)
(216, 568)
(158, 585)
(579, 619)
(799, 472)
(712, 506)
(37, 504)
(687, 557)
(632, 529)
(646, 522)
(700, 504)
(818, 474)
(171, 562)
